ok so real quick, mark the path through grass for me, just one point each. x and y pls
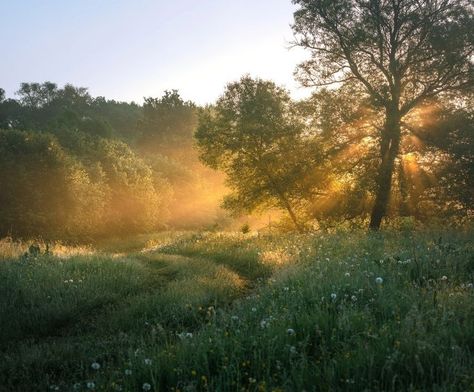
(344, 311)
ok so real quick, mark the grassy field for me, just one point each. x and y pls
(227, 312)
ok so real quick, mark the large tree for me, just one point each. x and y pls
(255, 136)
(401, 53)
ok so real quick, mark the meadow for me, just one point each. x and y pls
(212, 311)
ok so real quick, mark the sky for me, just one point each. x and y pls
(130, 49)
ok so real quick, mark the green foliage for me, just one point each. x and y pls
(245, 228)
(47, 108)
(168, 125)
(208, 321)
(397, 54)
(92, 186)
(44, 190)
(255, 136)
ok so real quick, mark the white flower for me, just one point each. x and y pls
(354, 298)
(347, 274)
(254, 309)
(290, 331)
(378, 280)
(128, 372)
(286, 288)
(293, 350)
(147, 361)
(264, 324)
(469, 285)
(90, 385)
(95, 366)
(333, 296)
(185, 335)
(235, 318)
(444, 277)
(146, 386)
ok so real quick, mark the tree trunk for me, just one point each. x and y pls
(292, 214)
(389, 148)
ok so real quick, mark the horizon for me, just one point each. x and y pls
(216, 44)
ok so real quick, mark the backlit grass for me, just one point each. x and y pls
(212, 311)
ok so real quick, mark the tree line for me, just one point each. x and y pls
(75, 166)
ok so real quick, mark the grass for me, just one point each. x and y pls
(228, 312)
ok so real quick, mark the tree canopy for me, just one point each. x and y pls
(255, 136)
(400, 53)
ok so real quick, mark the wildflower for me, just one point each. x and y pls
(290, 331)
(146, 386)
(254, 309)
(95, 366)
(469, 285)
(263, 324)
(354, 298)
(286, 288)
(128, 372)
(347, 274)
(333, 296)
(185, 335)
(90, 385)
(378, 280)
(444, 277)
(148, 361)
(293, 350)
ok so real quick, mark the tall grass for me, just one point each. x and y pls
(339, 312)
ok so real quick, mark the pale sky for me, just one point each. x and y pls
(128, 49)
